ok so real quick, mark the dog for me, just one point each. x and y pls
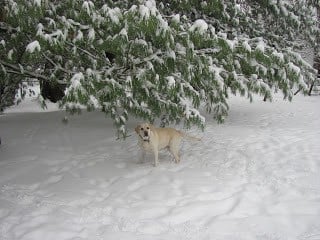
(152, 139)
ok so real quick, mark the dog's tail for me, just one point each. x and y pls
(186, 136)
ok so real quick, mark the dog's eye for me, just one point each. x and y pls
(142, 129)
(148, 128)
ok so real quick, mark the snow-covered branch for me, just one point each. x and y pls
(148, 58)
(19, 70)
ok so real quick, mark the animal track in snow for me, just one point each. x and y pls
(137, 184)
(54, 179)
(121, 165)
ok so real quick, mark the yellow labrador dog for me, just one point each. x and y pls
(153, 139)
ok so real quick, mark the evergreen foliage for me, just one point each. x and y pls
(150, 58)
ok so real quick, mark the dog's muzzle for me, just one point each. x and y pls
(145, 138)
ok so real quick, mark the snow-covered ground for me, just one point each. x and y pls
(255, 177)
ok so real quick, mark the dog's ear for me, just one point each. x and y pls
(137, 129)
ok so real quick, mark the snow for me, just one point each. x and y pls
(171, 54)
(113, 13)
(171, 81)
(94, 102)
(151, 5)
(176, 18)
(284, 10)
(294, 68)
(261, 46)
(91, 34)
(144, 12)
(76, 82)
(231, 43)
(199, 25)
(124, 33)
(40, 28)
(10, 53)
(216, 71)
(255, 177)
(181, 49)
(278, 55)
(246, 46)
(33, 46)
(37, 3)
(79, 36)
(88, 6)
(162, 25)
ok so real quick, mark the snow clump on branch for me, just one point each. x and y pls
(199, 25)
(35, 45)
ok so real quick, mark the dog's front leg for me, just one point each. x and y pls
(156, 155)
(142, 156)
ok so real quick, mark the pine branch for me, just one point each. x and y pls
(83, 50)
(17, 70)
(4, 27)
(56, 65)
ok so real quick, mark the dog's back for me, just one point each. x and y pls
(167, 135)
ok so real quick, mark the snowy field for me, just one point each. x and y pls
(255, 177)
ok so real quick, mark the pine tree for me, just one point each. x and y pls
(153, 58)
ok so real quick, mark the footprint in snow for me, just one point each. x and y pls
(53, 169)
(207, 174)
(91, 163)
(138, 173)
(121, 165)
(93, 182)
(137, 184)
(152, 228)
(54, 179)
(177, 183)
(91, 192)
(102, 197)
(101, 183)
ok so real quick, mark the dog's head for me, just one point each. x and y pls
(144, 131)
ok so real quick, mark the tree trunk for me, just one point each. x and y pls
(311, 87)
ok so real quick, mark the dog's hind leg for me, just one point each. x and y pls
(176, 156)
(174, 149)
